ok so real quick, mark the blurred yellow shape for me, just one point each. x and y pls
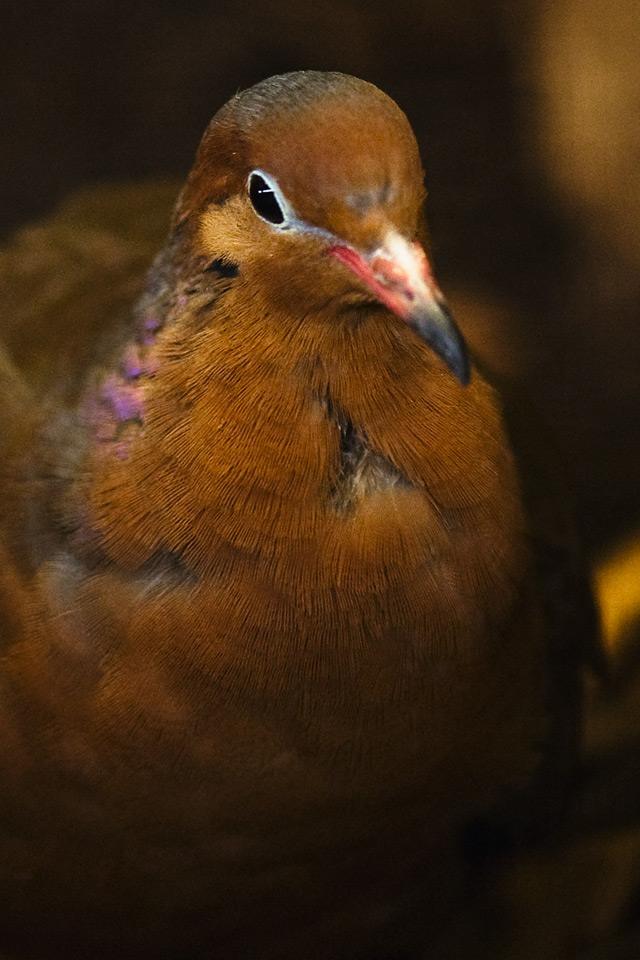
(617, 582)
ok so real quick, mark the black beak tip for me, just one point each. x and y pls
(437, 327)
(457, 359)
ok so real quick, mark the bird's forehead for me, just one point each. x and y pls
(352, 154)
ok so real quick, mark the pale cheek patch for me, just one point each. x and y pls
(228, 231)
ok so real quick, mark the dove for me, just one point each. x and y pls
(272, 627)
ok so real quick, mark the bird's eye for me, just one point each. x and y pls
(265, 199)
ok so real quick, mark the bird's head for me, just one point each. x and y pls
(312, 185)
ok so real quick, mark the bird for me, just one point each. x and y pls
(273, 629)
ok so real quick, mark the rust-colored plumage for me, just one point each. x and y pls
(271, 629)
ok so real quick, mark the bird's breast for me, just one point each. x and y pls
(272, 637)
(317, 519)
(285, 535)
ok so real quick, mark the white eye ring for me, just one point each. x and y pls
(268, 200)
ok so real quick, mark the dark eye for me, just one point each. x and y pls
(264, 200)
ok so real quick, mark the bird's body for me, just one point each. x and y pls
(271, 633)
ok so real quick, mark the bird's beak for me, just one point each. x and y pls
(399, 275)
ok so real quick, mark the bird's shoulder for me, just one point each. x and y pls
(67, 284)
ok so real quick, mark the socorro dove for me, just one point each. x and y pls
(272, 630)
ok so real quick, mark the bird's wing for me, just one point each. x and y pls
(67, 284)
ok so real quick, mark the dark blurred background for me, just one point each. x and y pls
(527, 115)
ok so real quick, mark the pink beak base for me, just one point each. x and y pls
(409, 290)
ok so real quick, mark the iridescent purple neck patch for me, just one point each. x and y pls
(115, 409)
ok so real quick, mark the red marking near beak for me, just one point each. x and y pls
(397, 285)
(399, 275)
(384, 278)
